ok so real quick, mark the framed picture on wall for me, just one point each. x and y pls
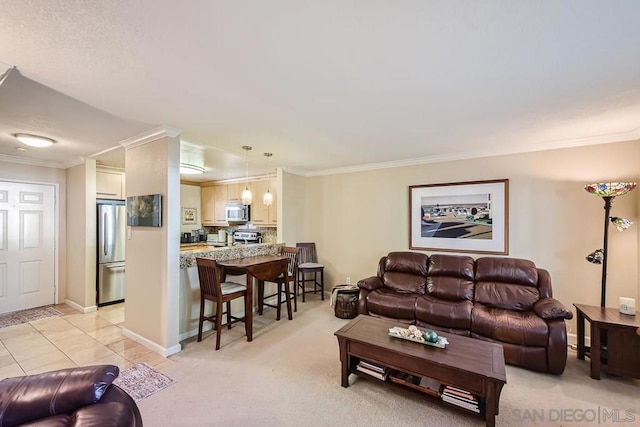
(460, 217)
(189, 215)
(144, 211)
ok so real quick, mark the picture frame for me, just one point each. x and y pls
(144, 211)
(189, 215)
(460, 217)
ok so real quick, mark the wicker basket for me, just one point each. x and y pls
(346, 303)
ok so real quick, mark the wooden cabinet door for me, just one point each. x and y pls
(259, 212)
(273, 209)
(109, 185)
(235, 191)
(207, 204)
(221, 198)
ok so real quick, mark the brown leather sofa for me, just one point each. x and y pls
(503, 300)
(83, 396)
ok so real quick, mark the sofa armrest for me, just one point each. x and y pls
(370, 283)
(31, 397)
(550, 308)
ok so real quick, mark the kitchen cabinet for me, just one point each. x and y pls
(213, 200)
(109, 185)
(273, 209)
(261, 214)
(207, 205)
(220, 197)
(235, 191)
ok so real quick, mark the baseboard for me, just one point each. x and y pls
(164, 351)
(572, 341)
(80, 308)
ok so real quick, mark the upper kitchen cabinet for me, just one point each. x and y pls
(235, 191)
(110, 184)
(261, 214)
(273, 209)
(214, 199)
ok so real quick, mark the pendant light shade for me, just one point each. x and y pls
(267, 199)
(246, 194)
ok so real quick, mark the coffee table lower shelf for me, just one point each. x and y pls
(436, 395)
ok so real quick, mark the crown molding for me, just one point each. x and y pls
(32, 162)
(150, 135)
(530, 148)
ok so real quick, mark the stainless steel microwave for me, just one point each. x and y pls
(238, 213)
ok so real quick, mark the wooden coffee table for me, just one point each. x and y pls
(470, 364)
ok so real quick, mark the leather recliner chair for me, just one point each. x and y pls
(83, 396)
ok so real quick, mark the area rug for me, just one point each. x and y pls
(142, 381)
(29, 315)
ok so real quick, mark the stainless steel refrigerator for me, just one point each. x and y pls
(112, 221)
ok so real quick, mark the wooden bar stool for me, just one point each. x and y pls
(309, 265)
(212, 289)
(291, 276)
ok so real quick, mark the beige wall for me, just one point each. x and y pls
(292, 206)
(46, 175)
(153, 259)
(356, 218)
(81, 252)
(190, 198)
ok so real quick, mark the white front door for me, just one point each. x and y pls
(27, 245)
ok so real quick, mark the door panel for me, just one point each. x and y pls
(27, 246)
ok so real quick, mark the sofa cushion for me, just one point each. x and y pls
(450, 277)
(443, 313)
(406, 272)
(507, 283)
(388, 303)
(405, 283)
(516, 327)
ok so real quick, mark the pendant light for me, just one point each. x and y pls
(268, 198)
(246, 194)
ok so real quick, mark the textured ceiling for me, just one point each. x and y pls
(341, 85)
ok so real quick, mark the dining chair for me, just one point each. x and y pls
(219, 292)
(308, 264)
(281, 281)
(269, 272)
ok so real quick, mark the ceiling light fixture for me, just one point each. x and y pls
(187, 169)
(246, 194)
(268, 197)
(34, 140)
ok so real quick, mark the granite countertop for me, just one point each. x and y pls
(189, 252)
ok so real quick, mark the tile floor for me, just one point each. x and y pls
(73, 339)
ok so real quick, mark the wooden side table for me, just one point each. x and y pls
(615, 344)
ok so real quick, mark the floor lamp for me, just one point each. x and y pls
(608, 191)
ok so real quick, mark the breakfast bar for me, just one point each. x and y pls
(190, 283)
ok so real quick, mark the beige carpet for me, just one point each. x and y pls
(290, 376)
(28, 315)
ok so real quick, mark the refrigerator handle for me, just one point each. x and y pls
(104, 233)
